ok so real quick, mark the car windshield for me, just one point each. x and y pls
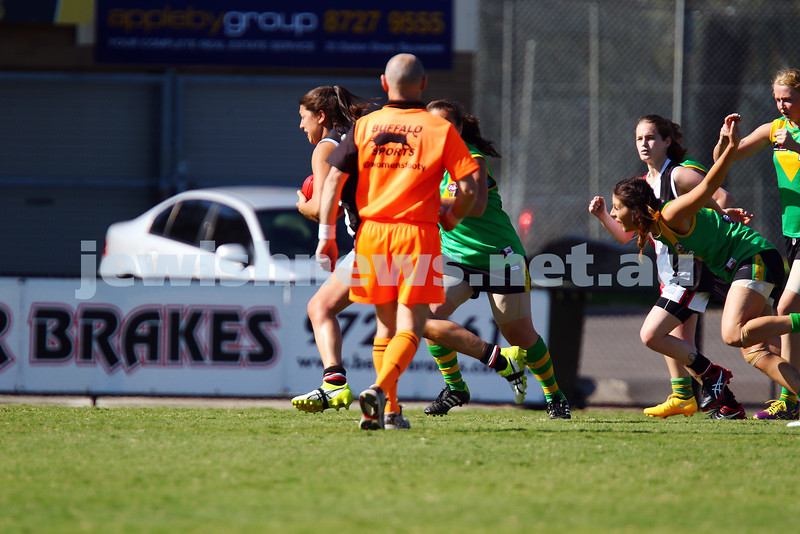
(288, 232)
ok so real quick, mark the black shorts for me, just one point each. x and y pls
(684, 301)
(512, 279)
(792, 249)
(710, 283)
(681, 312)
(766, 266)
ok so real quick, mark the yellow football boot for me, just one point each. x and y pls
(674, 405)
(323, 398)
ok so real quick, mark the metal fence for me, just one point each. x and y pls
(560, 85)
(79, 151)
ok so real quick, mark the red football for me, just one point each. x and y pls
(308, 186)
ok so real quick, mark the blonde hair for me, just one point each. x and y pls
(789, 78)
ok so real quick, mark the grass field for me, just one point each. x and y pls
(204, 470)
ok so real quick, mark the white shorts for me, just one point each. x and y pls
(693, 300)
(760, 287)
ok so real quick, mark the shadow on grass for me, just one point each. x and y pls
(727, 428)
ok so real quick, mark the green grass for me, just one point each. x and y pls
(109, 470)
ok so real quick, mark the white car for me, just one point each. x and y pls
(227, 233)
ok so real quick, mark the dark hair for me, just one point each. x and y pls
(667, 128)
(637, 195)
(340, 105)
(469, 124)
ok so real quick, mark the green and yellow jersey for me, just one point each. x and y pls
(787, 165)
(717, 242)
(478, 238)
(695, 166)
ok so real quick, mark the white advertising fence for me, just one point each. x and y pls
(245, 341)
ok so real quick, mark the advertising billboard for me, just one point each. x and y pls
(310, 33)
(207, 341)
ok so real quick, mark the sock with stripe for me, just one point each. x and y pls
(493, 358)
(447, 360)
(399, 353)
(541, 365)
(789, 398)
(700, 365)
(334, 376)
(682, 387)
(379, 345)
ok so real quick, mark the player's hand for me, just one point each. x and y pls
(738, 215)
(785, 139)
(731, 129)
(597, 206)
(302, 207)
(326, 254)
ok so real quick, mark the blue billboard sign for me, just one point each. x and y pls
(308, 33)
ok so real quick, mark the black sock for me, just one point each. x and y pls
(493, 358)
(700, 364)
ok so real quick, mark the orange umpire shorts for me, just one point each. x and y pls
(397, 261)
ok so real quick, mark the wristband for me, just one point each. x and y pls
(795, 322)
(327, 231)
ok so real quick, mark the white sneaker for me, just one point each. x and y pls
(515, 372)
(396, 421)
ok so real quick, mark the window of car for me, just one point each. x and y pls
(288, 232)
(186, 220)
(229, 226)
(160, 222)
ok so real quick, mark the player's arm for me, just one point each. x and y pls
(465, 197)
(597, 207)
(330, 195)
(721, 201)
(309, 207)
(328, 210)
(687, 179)
(343, 161)
(465, 172)
(482, 193)
(482, 196)
(723, 198)
(757, 140)
(679, 213)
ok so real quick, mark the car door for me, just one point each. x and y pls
(291, 242)
(232, 242)
(174, 251)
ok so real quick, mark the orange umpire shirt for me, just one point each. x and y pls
(399, 154)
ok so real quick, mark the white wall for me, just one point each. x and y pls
(204, 341)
